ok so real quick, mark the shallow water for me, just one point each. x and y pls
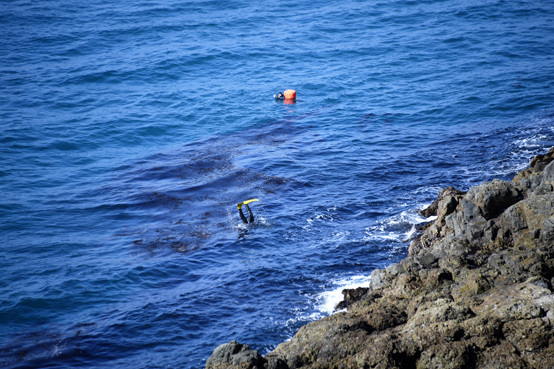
(129, 133)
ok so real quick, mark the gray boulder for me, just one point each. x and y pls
(235, 355)
(492, 198)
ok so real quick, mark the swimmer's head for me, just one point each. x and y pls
(279, 96)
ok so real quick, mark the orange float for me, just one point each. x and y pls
(290, 94)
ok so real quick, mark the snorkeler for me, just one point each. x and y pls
(250, 215)
(288, 95)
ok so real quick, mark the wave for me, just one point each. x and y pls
(328, 300)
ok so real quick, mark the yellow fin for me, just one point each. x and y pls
(239, 205)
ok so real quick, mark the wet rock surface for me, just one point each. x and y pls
(474, 292)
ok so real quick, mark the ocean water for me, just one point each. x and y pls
(130, 131)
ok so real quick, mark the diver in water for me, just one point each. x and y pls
(289, 95)
(250, 215)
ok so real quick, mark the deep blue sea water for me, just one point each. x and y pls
(129, 131)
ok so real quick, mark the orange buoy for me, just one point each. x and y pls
(290, 94)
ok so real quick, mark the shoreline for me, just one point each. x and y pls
(474, 291)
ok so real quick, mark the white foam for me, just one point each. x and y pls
(320, 217)
(534, 141)
(411, 233)
(399, 228)
(409, 216)
(327, 300)
(433, 190)
(291, 322)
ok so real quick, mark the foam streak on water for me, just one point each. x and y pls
(130, 132)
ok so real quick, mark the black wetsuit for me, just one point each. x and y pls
(250, 215)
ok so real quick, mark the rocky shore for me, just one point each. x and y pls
(474, 292)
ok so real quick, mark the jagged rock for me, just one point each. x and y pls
(474, 292)
(378, 279)
(448, 197)
(490, 212)
(457, 355)
(492, 198)
(530, 179)
(351, 296)
(275, 363)
(440, 310)
(539, 162)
